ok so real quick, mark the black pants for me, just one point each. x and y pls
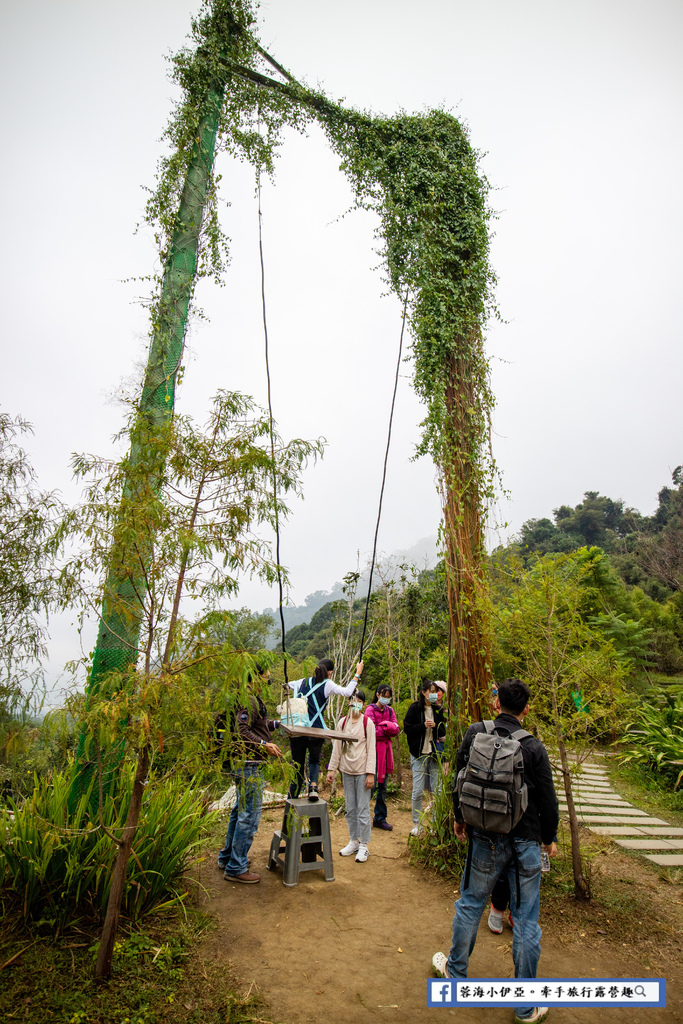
(299, 745)
(500, 897)
(380, 794)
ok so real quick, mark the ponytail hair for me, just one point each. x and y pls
(382, 690)
(322, 669)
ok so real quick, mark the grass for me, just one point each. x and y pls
(647, 790)
(158, 978)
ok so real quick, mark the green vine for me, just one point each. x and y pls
(420, 174)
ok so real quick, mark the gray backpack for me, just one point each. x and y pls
(491, 788)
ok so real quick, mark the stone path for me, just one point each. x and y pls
(605, 812)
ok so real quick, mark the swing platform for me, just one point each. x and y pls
(317, 734)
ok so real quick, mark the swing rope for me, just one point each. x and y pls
(272, 439)
(384, 476)
(272, 452)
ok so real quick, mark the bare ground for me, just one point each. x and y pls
(359, 948)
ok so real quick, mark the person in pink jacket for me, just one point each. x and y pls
(386, 727)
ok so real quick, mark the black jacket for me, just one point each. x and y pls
(541, 818)
(415, 729)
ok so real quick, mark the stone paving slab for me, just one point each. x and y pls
(596, 798)
(624, 812)
(603, 809)
(649, 844)
(606, 819)
(666, 860)
(593, 794)
(582, 783)
(620, 830)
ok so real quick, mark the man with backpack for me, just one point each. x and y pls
(504, 801)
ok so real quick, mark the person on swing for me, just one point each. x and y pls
(317, 689)
(516, 855)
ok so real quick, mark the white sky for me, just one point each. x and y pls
(577, 106)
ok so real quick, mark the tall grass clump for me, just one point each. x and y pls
(56, 867)
(436, 847)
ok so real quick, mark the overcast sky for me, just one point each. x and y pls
(577, 107)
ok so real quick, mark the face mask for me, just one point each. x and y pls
(357, 707)
(432, 697)
(385, 700)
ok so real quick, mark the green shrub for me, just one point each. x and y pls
(657, 733)
(56, 867)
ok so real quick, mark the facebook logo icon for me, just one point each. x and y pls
(441, 992)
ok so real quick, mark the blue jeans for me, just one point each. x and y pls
(425, 771)
(492, 858)
(244, 819)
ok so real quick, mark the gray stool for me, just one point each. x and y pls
(301, 853)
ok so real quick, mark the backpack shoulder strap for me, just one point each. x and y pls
(488, 726)
(519, 734)
(316, 686)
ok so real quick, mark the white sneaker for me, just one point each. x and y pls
(495, 920)
(540, 1013)
(363, 853)
(440, 965)
(417, 831)
(350, 848)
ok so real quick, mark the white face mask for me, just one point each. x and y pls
(432, 698)
(385, 700)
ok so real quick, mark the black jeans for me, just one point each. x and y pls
(299, 746)
(380, 793)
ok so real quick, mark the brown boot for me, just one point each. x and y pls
(247, 877)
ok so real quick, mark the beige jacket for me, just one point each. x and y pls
(358, 758)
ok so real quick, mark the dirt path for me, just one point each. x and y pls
(360, 948)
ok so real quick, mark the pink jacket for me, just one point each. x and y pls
(386, 727)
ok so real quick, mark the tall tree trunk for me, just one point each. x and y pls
(111, 921)
(469, 668)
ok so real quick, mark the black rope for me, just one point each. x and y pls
(384, 477)
(272, 433)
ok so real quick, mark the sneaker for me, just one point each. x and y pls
(440, 965)
(416, 831)
(495, 920)
(350, 849)
(538, 1014)
(312, 791)
(510, 921)
(363, 853)
(383, 824)
(247, 878)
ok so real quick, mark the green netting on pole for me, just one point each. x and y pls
(119, 629)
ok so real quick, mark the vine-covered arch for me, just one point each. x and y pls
(420, 174)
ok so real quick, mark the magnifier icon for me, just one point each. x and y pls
(640, 990)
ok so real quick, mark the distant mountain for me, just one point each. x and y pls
(423, 555)
(294, 615)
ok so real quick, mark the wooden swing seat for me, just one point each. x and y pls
(317, 734)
